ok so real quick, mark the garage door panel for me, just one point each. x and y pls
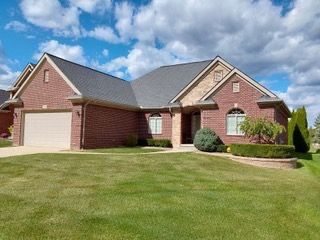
(47, 129)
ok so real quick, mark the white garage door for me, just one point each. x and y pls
(47, 129)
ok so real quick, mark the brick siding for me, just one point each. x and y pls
(6, 120)
(108, 127)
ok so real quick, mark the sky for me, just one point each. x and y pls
(275, 42)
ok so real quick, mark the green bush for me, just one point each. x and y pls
(222, 148)
(131, 140)
(318, 151)
(298, 132)
(263, 150)
(155, 142)
(206, 140)
(261, 130)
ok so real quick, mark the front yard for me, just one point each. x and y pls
(5, 143)
(160, 196)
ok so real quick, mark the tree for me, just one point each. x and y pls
(261, 130)
(298, 133)
(317, 130)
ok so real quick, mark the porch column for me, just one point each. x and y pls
(176, 128)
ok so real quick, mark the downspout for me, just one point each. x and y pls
(84, 123)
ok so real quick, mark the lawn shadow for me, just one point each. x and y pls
(304, 156)
(299, 165)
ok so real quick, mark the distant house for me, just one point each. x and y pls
(6, 112)
(63, 104)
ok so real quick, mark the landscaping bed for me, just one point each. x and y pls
(265, 155)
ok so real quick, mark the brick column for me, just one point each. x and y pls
(76, 127)
(17, 121)
(176, 128)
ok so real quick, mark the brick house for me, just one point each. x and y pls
(63, 104)
(6, 112)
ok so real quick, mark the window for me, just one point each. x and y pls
(236, 87)
(155, 123)
(234, 118)
(46, 76)
(218, 75)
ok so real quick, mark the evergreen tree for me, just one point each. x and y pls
(317, 130)
(298, 132)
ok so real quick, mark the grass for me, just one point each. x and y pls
(5, 143)
(160, 196)
(126, 150)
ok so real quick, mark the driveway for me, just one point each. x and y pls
(24, 150)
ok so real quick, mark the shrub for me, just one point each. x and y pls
(298, 133)
(261, 130)
(155, 142)
(131, 140)
(316, 137)
(206, 140)
(222, 148)
(10, 129)
(4, 135)
(263, 150)
(318, 151)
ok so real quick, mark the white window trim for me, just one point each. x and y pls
(149, 127)
(236, 116)
(233, 87)
(46, 76)
(216, 73)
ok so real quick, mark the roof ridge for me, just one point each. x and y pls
(80, 65)
(185, 63)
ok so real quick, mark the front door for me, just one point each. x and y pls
(195, 123)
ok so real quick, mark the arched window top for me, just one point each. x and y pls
(155, 123)
(155, 115)
(234, 119)
(236, 111)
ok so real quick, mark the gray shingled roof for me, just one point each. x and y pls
(4, 96)
(155, 89)
(97, 85)
(159, 87)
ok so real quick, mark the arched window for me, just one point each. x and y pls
(155, 123)
(234, 118)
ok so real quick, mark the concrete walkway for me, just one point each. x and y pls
(24, 150)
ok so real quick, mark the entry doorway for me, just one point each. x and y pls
(195, 123)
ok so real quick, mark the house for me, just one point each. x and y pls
(59, 103)
(6, 112)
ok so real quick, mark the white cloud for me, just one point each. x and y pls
(105, 52)
(50, 14)
(92, 6)
(139, 60)
(7, 75)
(16, 26)
(103, 33)
(253, 35)
(72, 53)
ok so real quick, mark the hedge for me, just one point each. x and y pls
(155, 142)
(222, 148)
(263, 150)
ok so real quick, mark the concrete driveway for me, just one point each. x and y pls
(24, 150)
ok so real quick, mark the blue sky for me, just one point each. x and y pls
(273, 41)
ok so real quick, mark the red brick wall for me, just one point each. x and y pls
(6, 120)
(226, 100)
(144, 126)
(108, 127)
(38, 93)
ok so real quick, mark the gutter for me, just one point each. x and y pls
(84, 114)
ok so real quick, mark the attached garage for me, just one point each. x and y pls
(47, 129)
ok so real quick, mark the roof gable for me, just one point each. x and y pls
(246, 78)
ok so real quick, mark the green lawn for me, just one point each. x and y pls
(160, 196)
(5, 143)
(126, 150)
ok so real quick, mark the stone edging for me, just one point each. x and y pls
(282, 163)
